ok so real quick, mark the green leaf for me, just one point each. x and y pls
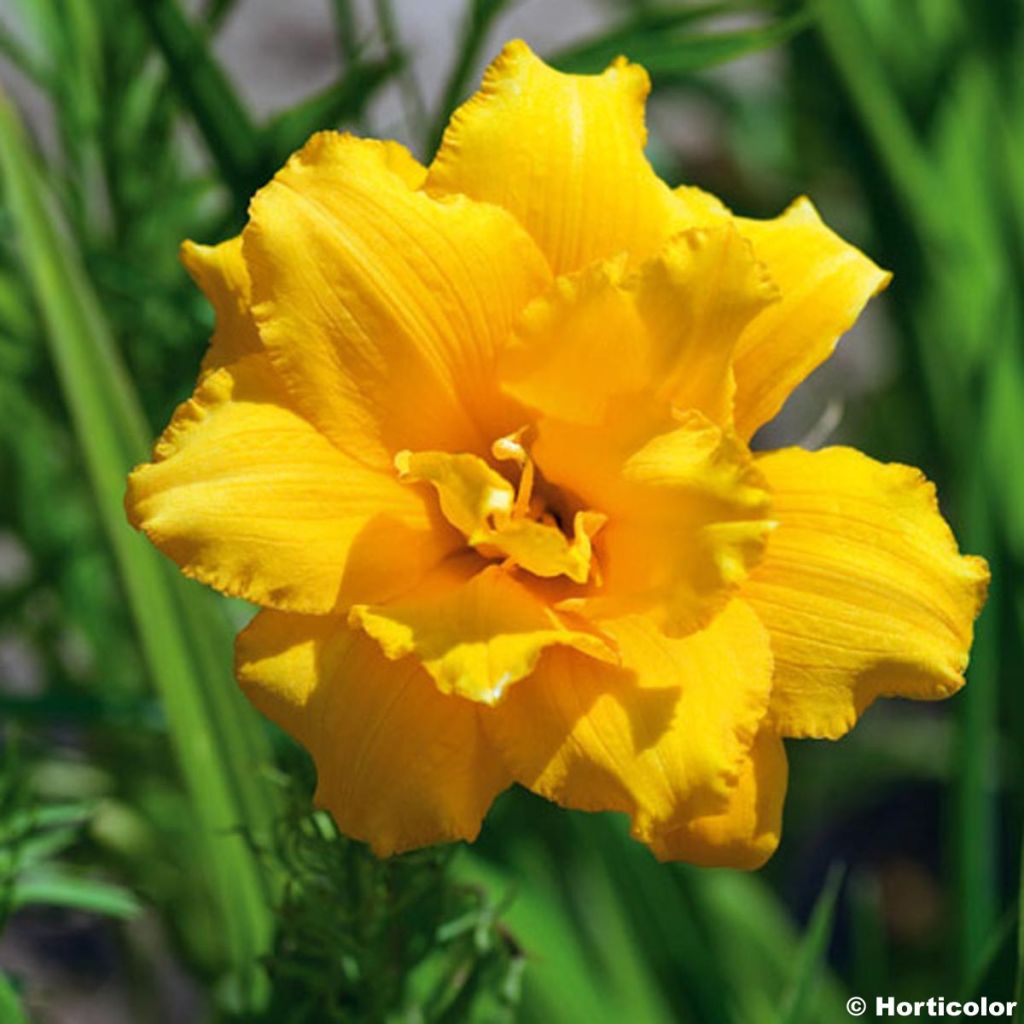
(997, 951)
(221, 117)
(16, 826)
(348, 37)
(966, 320)
(26, 852)
(562, 980)
(797, 1004)
(661, 45)
(1018, 988)
(882, 115)
(344, 100)
(52, 889)
(218, 741)
(479, 17)
(11, 1010)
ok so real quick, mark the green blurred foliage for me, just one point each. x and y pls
(149, 776)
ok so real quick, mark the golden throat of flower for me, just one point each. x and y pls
(502, 521)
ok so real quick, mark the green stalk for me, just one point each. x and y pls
(209, 723)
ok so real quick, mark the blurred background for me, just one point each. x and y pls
(159, 860)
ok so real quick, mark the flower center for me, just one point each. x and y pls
(521, 524)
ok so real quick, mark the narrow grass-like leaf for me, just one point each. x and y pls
(1018, 988)
(347, 33)
(562, 983)
(22, 823)
(880, 113)
(998, 949)
(29, 851)
(216, 12)
(227, 129)
(754, 936)
(74, 893)
(344, 100)
(977, 824)
(868, 938)
(11, 1010)
(113, 435)
(479, 18)
(413, 109)
(925, 187)
(813, 949)
(667, 928)
(667, 52)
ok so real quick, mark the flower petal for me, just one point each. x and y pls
(399, 764)
(688, 513)
(746, 833)
(542, 548)
(382, 308)
(663, 738)
(245, 495)
(696, 297)
(862, 589)
(565, 155)
(221, 273)
(668, 330)
(475, 634)
(579, 346)
(824, 285)
(470, 492)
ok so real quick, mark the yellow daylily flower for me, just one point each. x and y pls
(476, 438)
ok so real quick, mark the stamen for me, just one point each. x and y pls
(522, 503)
(510, 448)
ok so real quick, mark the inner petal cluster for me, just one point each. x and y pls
(524, 524)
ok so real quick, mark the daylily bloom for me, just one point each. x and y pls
(476, 438)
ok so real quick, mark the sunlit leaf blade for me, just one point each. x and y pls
(25, 852)
(560, 981)
(112, 435)
(53, 889)
(11, 1010)
(16, 826)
